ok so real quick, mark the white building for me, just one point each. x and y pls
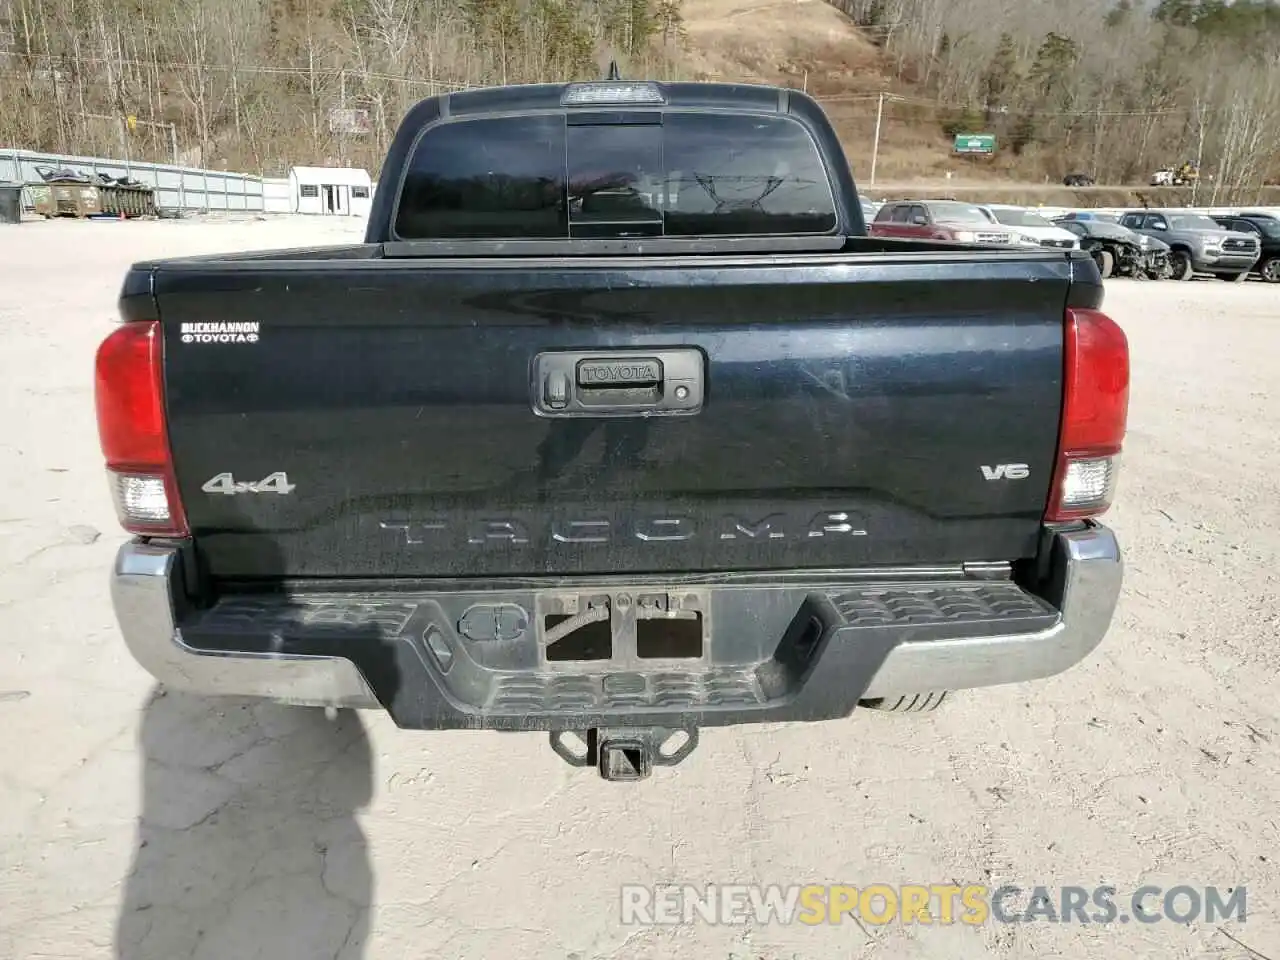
(334, 191)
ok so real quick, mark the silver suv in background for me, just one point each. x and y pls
(1197, 243)
(1029, 226)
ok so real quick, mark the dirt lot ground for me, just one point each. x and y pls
(138, 826)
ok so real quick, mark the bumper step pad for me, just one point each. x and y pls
(774, 652)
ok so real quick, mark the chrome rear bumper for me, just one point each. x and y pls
(1090, 574)
(146, 594)
(1085, 586)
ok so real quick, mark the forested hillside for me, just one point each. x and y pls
(251, 84)
(1113, 87)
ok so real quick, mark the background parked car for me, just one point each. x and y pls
(1267, 229)
(1199, 245)
(1078, 180)
(1157, 265)
(939, 220)
(1089, 215)
(1029, 224)
(1115, 249)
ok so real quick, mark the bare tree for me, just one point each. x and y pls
(191, 32)
(1101, 84)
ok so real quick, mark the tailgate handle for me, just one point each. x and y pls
(649, 383)
(612, 381)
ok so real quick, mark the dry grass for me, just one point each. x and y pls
(811, 45)
(775, 41)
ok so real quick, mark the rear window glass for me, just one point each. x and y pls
(537, 177)
(500, 177)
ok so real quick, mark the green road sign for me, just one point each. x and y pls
(975, 143)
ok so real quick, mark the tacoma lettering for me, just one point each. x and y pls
(581, 531)
(667, 528)
(827, 524)
(753, 531)
(729, 528)
(498, 531)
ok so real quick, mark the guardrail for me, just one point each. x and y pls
(1050, 212)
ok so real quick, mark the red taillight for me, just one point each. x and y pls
(129, 393)
(1095, 409)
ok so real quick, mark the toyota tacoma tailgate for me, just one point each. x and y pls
(395, 419)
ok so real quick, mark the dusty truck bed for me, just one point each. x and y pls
(143, 827)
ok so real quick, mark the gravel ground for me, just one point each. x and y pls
(145, 826)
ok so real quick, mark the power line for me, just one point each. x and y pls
(238, 69)
(433, 83)
(951, 105)
(957, 105)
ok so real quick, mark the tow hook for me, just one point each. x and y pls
(624, 754)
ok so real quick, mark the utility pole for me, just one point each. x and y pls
(1097, 140)
(875, 147)
(342, 121)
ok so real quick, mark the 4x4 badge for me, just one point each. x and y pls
(226, 484)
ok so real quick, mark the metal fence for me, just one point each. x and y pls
(191, 190)
(276, 195)
(177, 189)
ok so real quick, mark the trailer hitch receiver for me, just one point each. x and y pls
(624, 754)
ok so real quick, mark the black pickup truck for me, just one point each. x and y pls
(617, 425)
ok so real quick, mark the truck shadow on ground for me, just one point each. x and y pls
(247, 842)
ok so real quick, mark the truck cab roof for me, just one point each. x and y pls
(683, 160)
(616, 94)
